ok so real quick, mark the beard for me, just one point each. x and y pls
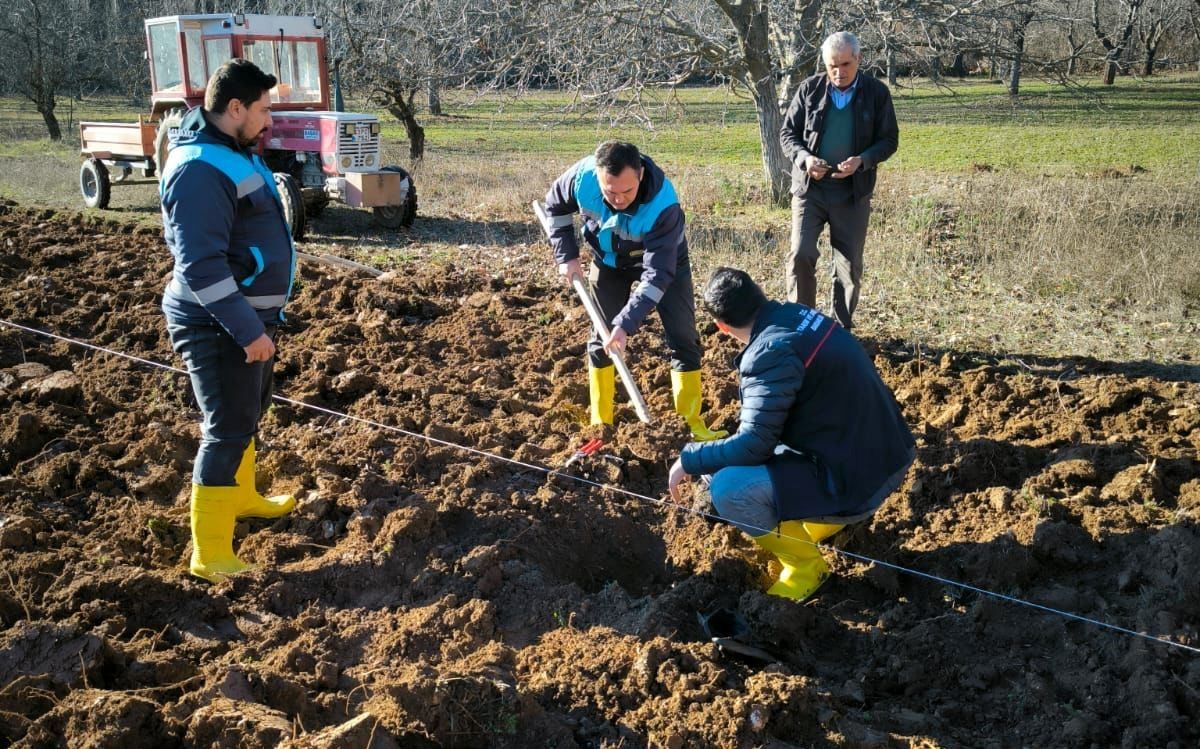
(246, 139)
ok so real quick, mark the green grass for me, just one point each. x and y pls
(1049, 129)
(1150, 123)
(999, 226)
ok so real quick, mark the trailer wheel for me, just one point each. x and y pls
(293, 203)
(94, 184)
(396, 216)
(162, 140)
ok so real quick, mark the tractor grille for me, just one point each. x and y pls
(358, 147)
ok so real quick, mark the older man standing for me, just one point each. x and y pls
(840, 126)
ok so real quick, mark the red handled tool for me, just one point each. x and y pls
(589, 448)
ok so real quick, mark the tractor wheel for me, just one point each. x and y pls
(293, 203)
(315, 201)
(313, 208)
(162, 140)
(396, 216)
(94, 184)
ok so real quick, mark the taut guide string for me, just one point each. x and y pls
(635, 495)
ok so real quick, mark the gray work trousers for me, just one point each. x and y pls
(847, 220)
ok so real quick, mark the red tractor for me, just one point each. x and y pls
(317, 155)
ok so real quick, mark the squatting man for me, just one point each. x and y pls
(820, 443)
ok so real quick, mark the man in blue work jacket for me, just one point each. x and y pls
(234, 265)
(821, 441)
(634, 225)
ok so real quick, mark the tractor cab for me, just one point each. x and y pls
(185, 50)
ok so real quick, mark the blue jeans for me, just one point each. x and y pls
(745, 496)
(232, 396)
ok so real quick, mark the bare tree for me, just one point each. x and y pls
(395, 51)
(1079, 36)
(1115, 41)
(1157, 19)
(1194, 25)
(45, 53)
(744, 56)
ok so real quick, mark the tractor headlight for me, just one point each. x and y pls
(374, 128)
(346, 162)
(348, 128)
(371, 160)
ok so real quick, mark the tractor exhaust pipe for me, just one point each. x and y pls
(339, 105)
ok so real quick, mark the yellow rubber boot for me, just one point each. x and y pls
(214, 510)
(602, 382)
(803, 567)
(818, 532)
(251, 504)
(685, 391)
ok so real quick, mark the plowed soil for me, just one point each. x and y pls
(421, 595)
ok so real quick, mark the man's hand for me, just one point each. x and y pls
(260, 349)
(569, 270)
(816, 167)
(847, 167)
(676, 477)
(615, 343)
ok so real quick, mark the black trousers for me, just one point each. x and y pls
(232, 396)
(676, 310)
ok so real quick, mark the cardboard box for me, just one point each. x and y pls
(370, 189)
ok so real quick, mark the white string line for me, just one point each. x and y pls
(635, 495)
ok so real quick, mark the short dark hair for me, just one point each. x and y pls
(236, 79)
(732, 297)
(614, 155)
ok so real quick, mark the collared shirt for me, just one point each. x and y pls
(841, 99)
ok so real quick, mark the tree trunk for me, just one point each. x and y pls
(1110, 70)
(752, 21)
(402, 110)
(1148, 64)
(51, 123)
(1014, 77)
(435, 99)
(776, 169)
(891, 66)
(958, 68)
(804, 55)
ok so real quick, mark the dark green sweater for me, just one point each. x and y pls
(837, 137)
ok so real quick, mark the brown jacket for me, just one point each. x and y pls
(876, 134)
